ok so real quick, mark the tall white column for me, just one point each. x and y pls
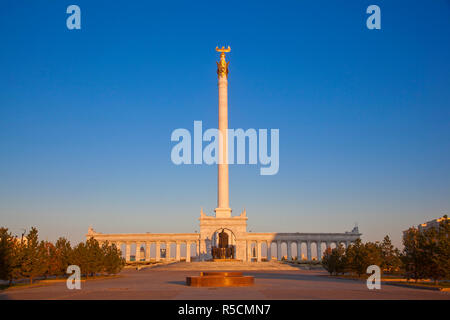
(167, 250)
(308, 250)
(299, 250)
(147, 251)
(138, 252)
(249, 251)
(319, 250)
(289, 250)
(278, 250)
(127, 252)
(258, 251)
(188, 251)
(158, 251)
(177, 252)
(269, 250)
(223, 205)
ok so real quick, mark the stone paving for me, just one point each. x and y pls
(276, 281)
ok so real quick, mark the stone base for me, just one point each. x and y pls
(223, 212)
(220, 279)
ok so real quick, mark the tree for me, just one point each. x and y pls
(79, 257)
(389, 256)
(356, 257)
(412, 256)
(64, 254)
(6, 254)
(33, 257)
(112, 260)
(335, 260)
(94, 259)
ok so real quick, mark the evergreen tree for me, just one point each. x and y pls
(411, 256)
(356, 255)
(112, 260)
(6, 254)
(33, 258)
(64, 253)
(390, 256)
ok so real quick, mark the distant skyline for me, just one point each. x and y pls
(86, 115)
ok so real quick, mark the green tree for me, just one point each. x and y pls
(64, 254)
(94, 261)
(412, 257)
(79, 257)
(390, 256)
(335, 260)
(6, 254)
(33, 256)
(112, 260)
(356, 257)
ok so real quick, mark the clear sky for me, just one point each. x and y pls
(86, 115)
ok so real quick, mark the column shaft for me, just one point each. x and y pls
(188, 251)
(278, 250)
(158, 251)
(308, 250)
(258, 251)
(147, 251)
(127, 252)
(177, 253)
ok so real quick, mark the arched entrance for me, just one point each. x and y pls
(223, 244)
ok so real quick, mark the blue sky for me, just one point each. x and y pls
(86, 115)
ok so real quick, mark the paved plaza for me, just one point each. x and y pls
(272, 281)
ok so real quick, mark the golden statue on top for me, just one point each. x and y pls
(222, 65)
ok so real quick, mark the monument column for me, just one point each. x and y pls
(289, 250)
(223, 206)
(319, 250)
(127, 252)
(168, 250)
(278, 250)
(147, 251)
(158, 251)
(177, 253)
(188, 251)
(299, 250)
(308, 249)
(269, 250)
(138, 252)
(258, 251)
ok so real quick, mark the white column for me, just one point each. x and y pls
(308, 250)
(249, 251)
(289, 249)
(138, 252)
(278, 250)
(269, 250)
(223, 205)
(177, 252)
(158, 251)
(127, 252)
(147, 251)
(188, 251)
(258, 251)
(299, 250)
(168, 250)
(319, 250)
